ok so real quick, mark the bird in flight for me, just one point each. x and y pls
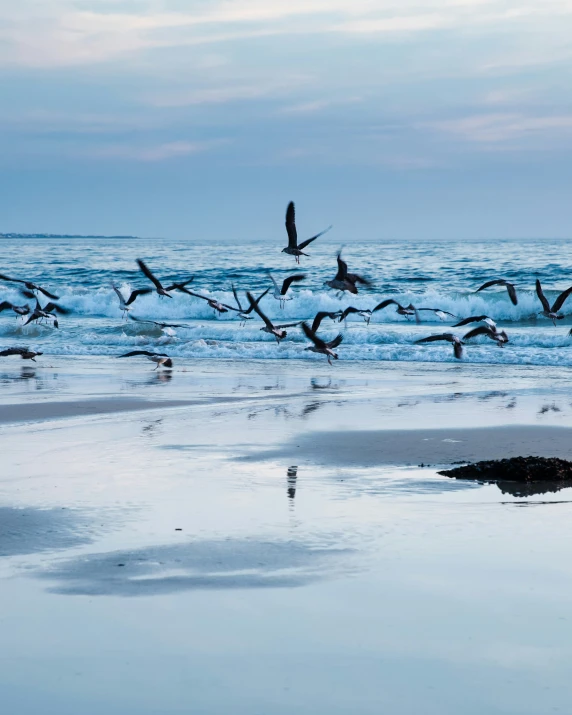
(269, 327)
(511, 290)
(345, 281)
(24, 353)
(294, 248)
(281, 292)
(161, 359)
(449, 337)
(552, 312)
(321, 346)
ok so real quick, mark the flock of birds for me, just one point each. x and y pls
(343, 282)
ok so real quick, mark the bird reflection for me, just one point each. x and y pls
(292, 476)
(160, 377)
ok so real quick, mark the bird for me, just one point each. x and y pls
(294, 248)
(124, 305)
(30, 286)
(449, 337)
(46, 313)
(320, 346)
(157, 323)
(364, 312)
(244, 314)
(345, 281)
(499, 336)
(157, 283)
(407, 311)
(24, 353)
(502, 282)
(216, 305)
(276, 330)
(477, 319)
(281, 293)
(438, 312)
(552, 313)
(161, 359)
(324, 314)
(18, 309)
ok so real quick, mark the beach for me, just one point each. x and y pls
(261, 537)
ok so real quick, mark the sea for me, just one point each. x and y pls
(433, 274)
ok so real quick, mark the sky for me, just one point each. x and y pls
(391, 119)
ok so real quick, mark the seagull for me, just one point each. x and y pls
(449, 337)
(294, 248)
(158, 287)
(320, 346)
(158, 324)
(243, 314)
(501, 282)
(407, 311)
(214, 304)
(499, 336)
(365, 313)
(324, 314)
(345, 281)
(24, 353)
(45, 313)
(161, 359)
(477, 319)
(552, 313)
(280, 293)
(30, 286)
(124, 306)
(439, 313)
(276, 330)
(18, 309)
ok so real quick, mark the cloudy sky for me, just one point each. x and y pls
(202, 118)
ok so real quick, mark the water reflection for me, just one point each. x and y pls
(292, 476)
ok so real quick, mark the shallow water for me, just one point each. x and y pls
(438, 275)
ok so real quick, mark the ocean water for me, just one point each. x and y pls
(437, 275)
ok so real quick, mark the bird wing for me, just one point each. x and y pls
(196, 295)
(308, 241)
(311, 335)
(481, 330)
(28, 294)
(146, 272)
(318, 319)
(512, 293)
(342, 269)
(288, 282)
(288, 325)
(254, 306)
(438, 310)
(467, 321)
(13, 351)
(257, 301)
(354, 278)
(118, 293)
(336, 341)
(542, 297)
(291, 226)
(136, 293)
(142, 352)
(58, 308)
(235, 294)
(559, 302)
(384, 304)
(449, 337)
(180, 286)
(5, 304)
(458, 349)
(47, 293)
(488, 284)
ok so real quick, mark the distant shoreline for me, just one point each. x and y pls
(55, 235)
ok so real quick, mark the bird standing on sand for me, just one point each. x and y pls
(320, 346)
(294, 248)
(499, 336)
(449, 337)
(276, 330)
(511, 290)
(24, 353)
(157, 283)
(552, 313)
(345, 281)
(281, 292)
(407, 311)
(161, 359)
(30, 286)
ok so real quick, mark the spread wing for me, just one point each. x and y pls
(136, 293)
(235, 294)
(308, 241)
(384, 304)
(488, 284)
(320, 316)
(354, 278)
(449, 337)
(47, 293)
(336, 341)
(5, 305)
(438, 310)
(458, 349)
(291, 226)
(466, 321)
(342, 269)
(512, 293)
(542, 297)
(481, 330)
(288, 282)
(311, 335)
(254, 306)
(257, 301)
(142, 352)
(58, 308)
(145, 270)
(13, 351)
(559, 302)
(180, 286)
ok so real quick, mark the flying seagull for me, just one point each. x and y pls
(324, 314)
(45, 313)
(294, 248)
(244, 314)
(477, 319)
(276, 330)
(157, 283)
(161, 359)
(501, 282)
(30, 286)
(18, 309)
(125, 305)
(439, 313)
(499, 336)
(345, 281)
(407, 311)
(216, 305)
(157, 323)
(24, 353)
(281, 292)
(320, 346)
(365, 313)
(552, 313)
(449, 337)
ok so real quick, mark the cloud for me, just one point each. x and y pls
(498, 128)
(159, 152)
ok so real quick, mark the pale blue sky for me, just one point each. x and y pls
(203, 118)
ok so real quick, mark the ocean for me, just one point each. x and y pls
(428, 274)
